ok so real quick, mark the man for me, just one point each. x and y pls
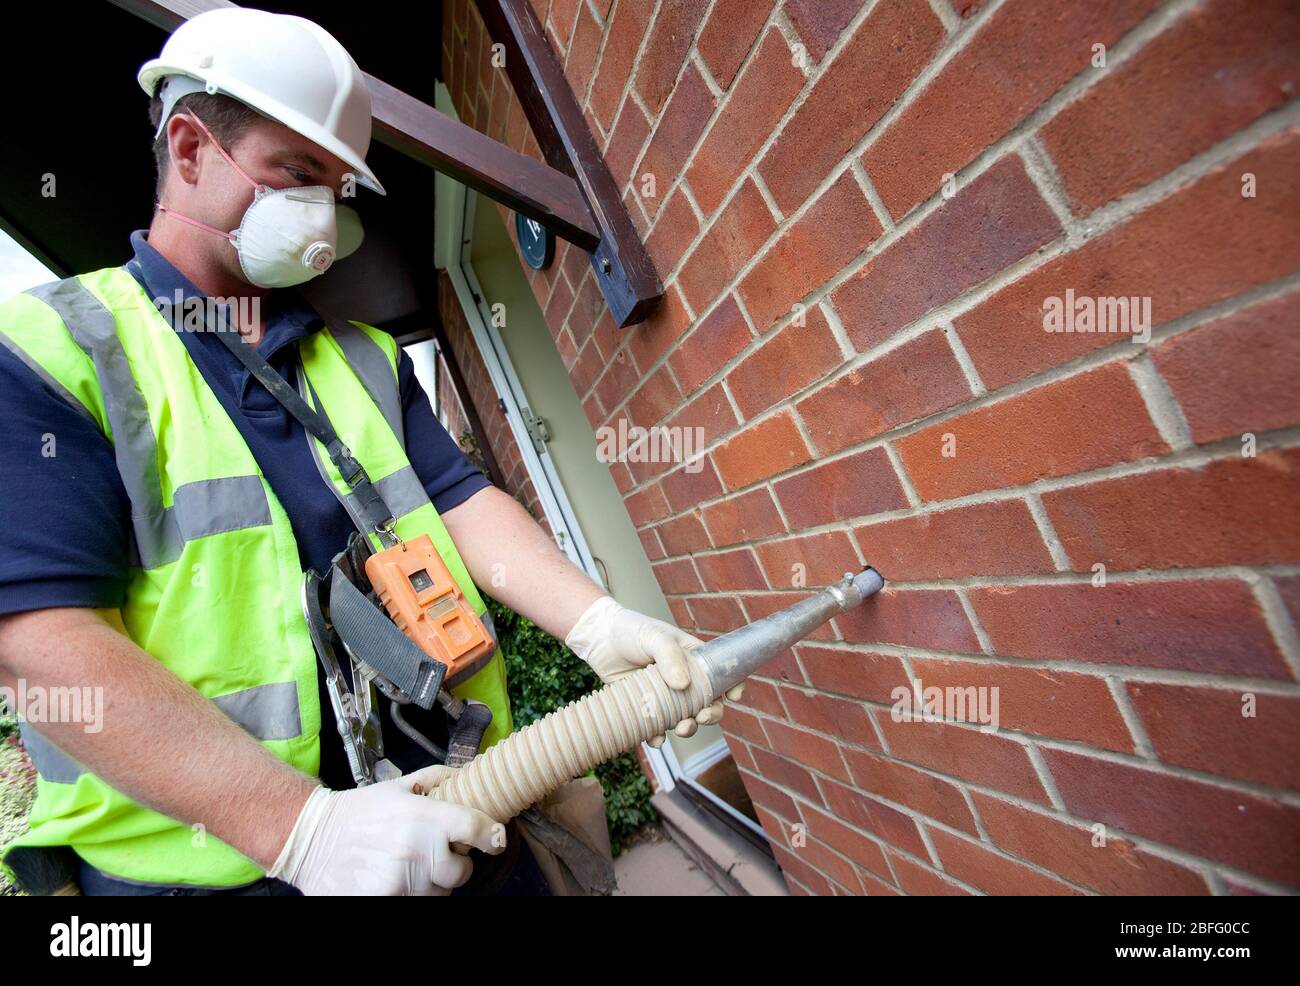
(163, 506)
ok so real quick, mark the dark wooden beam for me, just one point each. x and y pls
(419, 131)
(433, 138)
(623, 267)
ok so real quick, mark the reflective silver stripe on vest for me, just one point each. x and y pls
(402, 492)
(47, 379)
(201, 508)
(50, 762)
(370, 363)
(215, 506)
(269, 712)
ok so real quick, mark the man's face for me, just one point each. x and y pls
(214, 192)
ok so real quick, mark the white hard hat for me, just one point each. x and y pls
(285, 67)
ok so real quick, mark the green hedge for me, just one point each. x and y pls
(543, 675)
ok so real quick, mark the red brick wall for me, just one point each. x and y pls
(1101, 544)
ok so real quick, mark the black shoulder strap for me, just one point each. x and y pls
(372, 507)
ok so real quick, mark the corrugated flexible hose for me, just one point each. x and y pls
(523, 768)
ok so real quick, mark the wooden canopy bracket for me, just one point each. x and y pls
(624, 271)
(572, 195)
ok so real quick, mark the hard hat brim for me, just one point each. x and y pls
(153, 71)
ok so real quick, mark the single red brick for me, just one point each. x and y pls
(681, 612)
(684, 535)
(804, 257)
(717, 337)
(1207, 729)
(720, 613)
(801, 878)
(763, 696)
(619, 379)
(789, 361)
(772, 798)
(581, 57)
(677, 576)
(1231, 511)
(649, 340)
(905, 785)
(857, 485)
(673, 232)
(699, 423)
(931, 618)
(743, 724)
(998, 538)
(843, 873)
(848, 841)
(1023, 53)
(729, 34)
(876, 817)
(622, 42)
(921, 881)
(1288, 588)
(838, 717)
(820, 22)
(809, 560)
(625, 142)
(871, 72)
(1256, 834)
(1084, 422)
(965, 752)
(562, 16)
(759, 99)
(654, 549)
(730, 571)
(996, 220)
(743, 517)
(735, 237)
(972, 863)
(679, 128)
(650, 401)
(1201, 245)
(693, 483)
(1235, 374)
(805, 748)
(869, 676)
(557, 308)
(1211, 625)
(1117, 868)
(646, 506)
(1044, 702)
(786, 773)
(765, 449)
(905, 384)
(670, 41)
(1219, 67)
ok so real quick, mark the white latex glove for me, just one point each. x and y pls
(615, 641)
(384, 839)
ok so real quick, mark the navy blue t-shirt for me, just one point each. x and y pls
(66, 515)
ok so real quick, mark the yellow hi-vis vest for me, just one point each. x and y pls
(216, 596)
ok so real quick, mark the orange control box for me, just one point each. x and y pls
(414, 585)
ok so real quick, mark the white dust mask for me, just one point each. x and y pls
(287, 235)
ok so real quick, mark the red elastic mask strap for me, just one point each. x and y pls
(222, 151)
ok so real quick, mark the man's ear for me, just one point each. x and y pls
(184, 141)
